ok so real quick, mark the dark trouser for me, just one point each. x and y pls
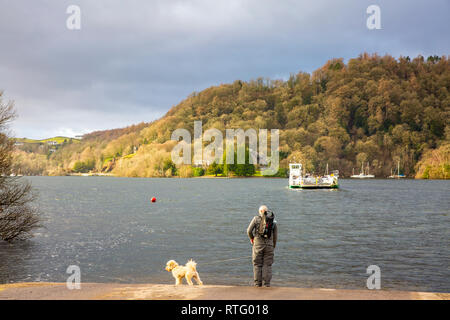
(262, 258)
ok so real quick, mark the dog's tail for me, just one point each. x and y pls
(192, 265)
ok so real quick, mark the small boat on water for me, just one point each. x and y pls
(298, 180)
(362, 174)
(398, 175)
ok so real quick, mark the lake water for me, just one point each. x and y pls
(110, 229)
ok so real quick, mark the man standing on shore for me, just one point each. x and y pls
(263, 233)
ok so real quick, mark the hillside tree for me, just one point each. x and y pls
(18, 217)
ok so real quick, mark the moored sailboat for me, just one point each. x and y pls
(362, 174)
(398, 175)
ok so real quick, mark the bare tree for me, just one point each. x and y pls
(17, 215)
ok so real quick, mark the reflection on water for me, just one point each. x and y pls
(109, 228)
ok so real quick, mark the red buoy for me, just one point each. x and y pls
(153, 199)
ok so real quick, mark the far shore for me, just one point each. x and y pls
(100, 174)
(114, 291)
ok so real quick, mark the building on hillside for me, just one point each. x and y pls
(201, 163)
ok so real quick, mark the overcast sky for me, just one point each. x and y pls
(131, 61)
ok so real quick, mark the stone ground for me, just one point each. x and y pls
(113, 291)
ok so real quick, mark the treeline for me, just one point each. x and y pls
(373, 110)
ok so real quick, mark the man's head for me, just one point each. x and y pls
(263, 209)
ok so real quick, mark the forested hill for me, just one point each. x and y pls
(374, 109)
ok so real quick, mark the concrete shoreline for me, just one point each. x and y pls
(114, 291)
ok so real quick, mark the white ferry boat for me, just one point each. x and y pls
(298, 180)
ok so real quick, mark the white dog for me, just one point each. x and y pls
(179, 272)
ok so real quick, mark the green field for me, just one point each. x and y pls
(58, 139)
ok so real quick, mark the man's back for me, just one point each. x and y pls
(253, 232)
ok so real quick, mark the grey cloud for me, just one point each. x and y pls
(133, 60)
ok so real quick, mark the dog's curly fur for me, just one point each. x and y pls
(188, 272)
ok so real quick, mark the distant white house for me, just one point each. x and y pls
(79, 137)
(52, 143)
(201, 163)
(18, 143)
